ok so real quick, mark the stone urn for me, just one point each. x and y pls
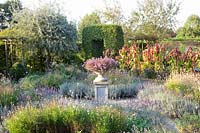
(100, 77)
(100, 66)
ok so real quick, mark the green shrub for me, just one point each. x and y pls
(152, 121)
(110, 35)
(17, 71)
(188, 123)
(139, 123)
(53, 79)
(123, 90)
(77, 90)
(186, 84)
(30, 82)
(120, 78)
(109, 120)
(150, 73)
(53, 118)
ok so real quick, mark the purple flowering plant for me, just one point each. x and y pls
(99, 65)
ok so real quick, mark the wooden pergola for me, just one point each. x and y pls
(10, 47)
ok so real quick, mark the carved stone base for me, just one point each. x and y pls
(101, 91)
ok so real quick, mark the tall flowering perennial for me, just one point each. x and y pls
(186, 61)
(158, 59)
(147, 55)
(100, 65)
(129, 57)
(153, 57)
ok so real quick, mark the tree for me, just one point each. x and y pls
(191, 28)
(47, 35)
(113, 13)
(6, 12)
(88, 19)
(155, 17)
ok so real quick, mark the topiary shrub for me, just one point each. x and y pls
(97, 38)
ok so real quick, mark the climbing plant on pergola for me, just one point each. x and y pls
(97, 38)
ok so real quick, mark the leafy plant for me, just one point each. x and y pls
(188, 123)
(156, 60)
(110, 120)
(186, 84)
(17, 71)
(157, 98)
(30, 82)
(129, 58)
(185, 61)
(53, 79)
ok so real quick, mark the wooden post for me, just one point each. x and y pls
(6, 54)
(11, 52)
(22, 45)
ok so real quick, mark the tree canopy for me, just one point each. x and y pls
(155, 17)
(48, 36)
(191, 28)
(6, 12)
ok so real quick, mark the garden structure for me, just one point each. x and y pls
(9, 53)
(97, 38)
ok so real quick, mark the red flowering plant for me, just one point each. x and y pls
(99, 65)
(153, 57)
(186, 61)
(173, 58)
(157, 59)
(129, 58)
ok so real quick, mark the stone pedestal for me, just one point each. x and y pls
(101, 90)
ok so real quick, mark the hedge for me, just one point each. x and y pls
(111, 35)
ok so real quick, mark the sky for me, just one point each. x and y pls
(76, 9)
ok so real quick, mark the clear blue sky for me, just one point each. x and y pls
(75, 9)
